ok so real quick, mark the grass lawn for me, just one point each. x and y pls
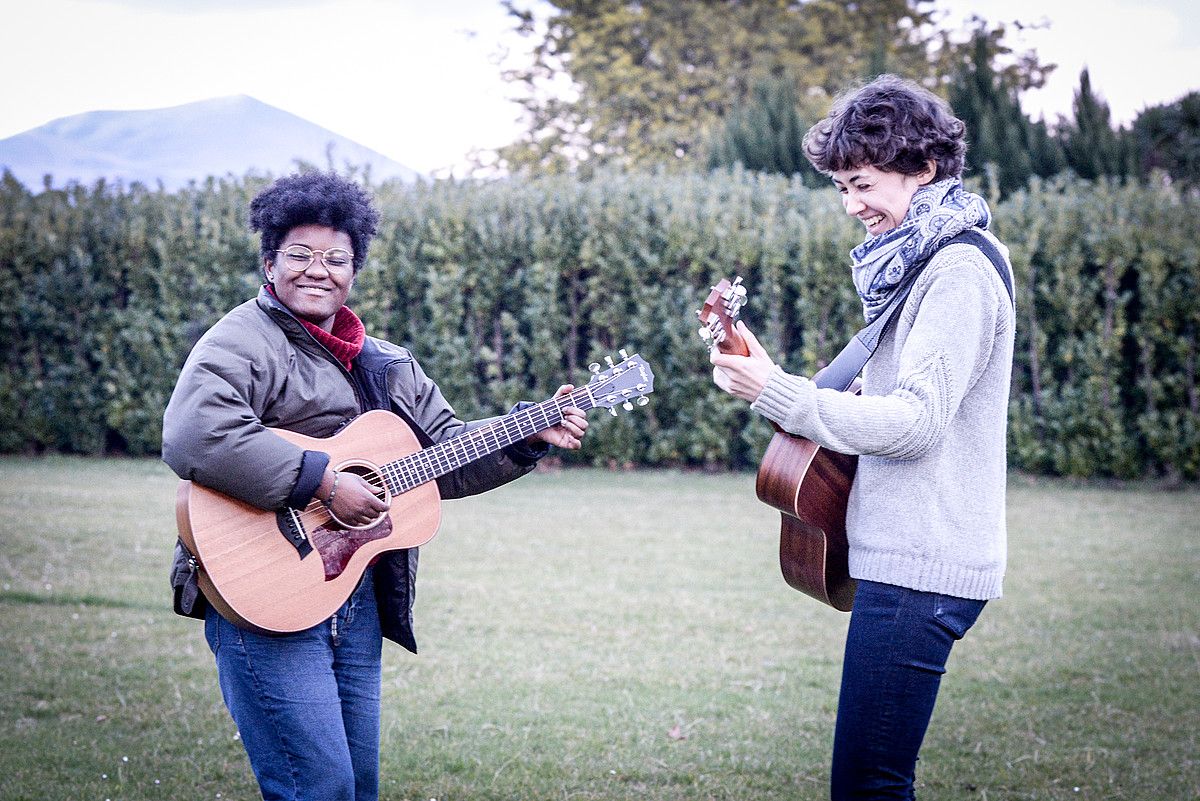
(603, 635)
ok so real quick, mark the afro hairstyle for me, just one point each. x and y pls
(314, 198)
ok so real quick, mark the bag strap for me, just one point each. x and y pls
(840, 373)
(973, 236)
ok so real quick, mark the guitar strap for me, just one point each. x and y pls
(840, 373)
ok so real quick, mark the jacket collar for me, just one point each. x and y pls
(281, 314)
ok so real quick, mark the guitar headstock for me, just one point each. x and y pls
(719, 313)
(622, 384)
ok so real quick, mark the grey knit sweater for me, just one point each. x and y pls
(927, 507)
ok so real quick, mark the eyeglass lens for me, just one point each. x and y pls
(299, 258)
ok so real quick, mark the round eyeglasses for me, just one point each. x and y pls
(300, 258)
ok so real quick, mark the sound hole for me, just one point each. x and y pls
(370, 473)
(337, 543)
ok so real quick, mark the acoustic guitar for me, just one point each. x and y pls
(286, 570)
(808, 484)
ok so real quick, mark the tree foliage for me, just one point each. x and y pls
(653, 84)
(998, 132)
(765, 134)
(651, 79)
(1167, 138)
(1093, 148)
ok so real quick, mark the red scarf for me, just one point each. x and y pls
(345, 342)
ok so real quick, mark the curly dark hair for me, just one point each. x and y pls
(314, 198)
(891, 124)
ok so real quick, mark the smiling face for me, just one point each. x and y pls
(879, 199)
(316, 293)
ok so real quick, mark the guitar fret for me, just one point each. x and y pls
(416, 477)
(390, 479)
(412, 470)
(403, 470)
(495, 439)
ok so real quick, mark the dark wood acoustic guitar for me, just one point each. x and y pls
(289, 569)
(808, 484)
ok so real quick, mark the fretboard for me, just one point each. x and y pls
(445, 457)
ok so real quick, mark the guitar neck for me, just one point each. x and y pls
(718, 316)
(446, 457)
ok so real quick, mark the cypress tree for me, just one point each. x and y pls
(765, 134)
(998, 131)
(1092, 148)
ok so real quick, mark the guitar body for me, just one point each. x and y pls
(255, 577)
(810, 486)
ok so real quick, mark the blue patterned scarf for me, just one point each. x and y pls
(938, 212)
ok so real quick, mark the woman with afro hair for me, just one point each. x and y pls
(306, 704)
(925, 518)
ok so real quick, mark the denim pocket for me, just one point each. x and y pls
(212, 629)
(956, 615)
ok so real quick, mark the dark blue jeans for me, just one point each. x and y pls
(307, 704)
(896, 652)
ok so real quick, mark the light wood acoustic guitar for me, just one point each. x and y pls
(287, 570)
(808, 484)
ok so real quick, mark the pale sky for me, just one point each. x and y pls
(1138, 53)
(420, 82)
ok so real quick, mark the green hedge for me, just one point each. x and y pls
(506, 289)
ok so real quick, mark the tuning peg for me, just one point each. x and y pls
(705, 334)
(612, 410)
(624, 354)
(594, 367)
(609, 359)
(643, 400)
(627, 406)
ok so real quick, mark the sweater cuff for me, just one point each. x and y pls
(781, 395)
(312, 470)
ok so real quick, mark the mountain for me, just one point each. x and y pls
(181, 143)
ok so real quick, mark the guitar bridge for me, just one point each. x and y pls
(292, 528)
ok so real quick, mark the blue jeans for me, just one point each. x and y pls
(896, 652)
(307, 704)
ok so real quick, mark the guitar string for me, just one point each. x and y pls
(316, 510)
(427, 457)
(321, 511)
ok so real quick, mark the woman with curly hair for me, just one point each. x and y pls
(306, 704)
(925, 518)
